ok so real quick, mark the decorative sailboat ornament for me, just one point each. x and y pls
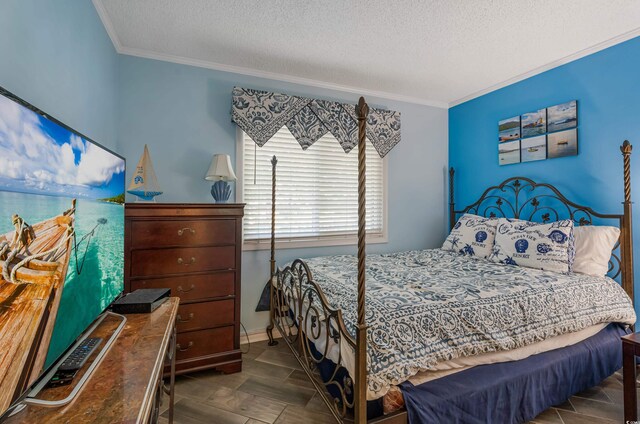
(144, 183)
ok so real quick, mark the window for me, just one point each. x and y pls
(316, 195)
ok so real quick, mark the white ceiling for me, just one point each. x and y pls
(436, 52)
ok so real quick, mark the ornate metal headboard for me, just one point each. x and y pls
(523, 198)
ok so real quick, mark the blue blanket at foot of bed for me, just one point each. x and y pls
(516, 392)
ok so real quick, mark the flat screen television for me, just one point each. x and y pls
(61, 240)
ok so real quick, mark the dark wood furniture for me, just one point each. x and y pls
(127, 385)
(195, 250)
(630, 349)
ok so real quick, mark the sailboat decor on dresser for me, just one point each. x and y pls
(144, 183)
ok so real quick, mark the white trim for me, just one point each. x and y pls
(384, 237)
(148, 54)
(279, 77)
(323, 241)
(551, 65)
(106, 21)
(259, 336)
(239, 169)
(108, 25)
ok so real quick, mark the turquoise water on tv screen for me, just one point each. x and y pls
(88, 293)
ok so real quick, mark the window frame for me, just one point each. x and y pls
(318, 241)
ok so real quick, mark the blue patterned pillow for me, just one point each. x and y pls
(533, 245)
(472, 235)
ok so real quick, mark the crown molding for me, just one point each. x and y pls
(148, 54)
(278, 77)
(551, 65)
(108, 26)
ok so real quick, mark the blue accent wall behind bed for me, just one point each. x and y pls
(607, 87)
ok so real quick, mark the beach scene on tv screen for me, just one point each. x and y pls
(61, 236)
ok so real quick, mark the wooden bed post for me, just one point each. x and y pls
(272, 342)
(626, 237)
(452, 204)
(360, 397)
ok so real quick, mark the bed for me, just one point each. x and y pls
(436, 324)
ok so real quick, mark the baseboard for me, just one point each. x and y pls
(257, 336)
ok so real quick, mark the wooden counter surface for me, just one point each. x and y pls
(123, 386)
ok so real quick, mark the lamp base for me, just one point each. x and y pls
(221, 191)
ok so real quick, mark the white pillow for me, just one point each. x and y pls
(540, 246)
(593, 248)
(472, 235)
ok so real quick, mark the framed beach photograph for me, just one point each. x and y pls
(509, 129)
(562, 143)
(509, 152)
(533, 148)
(562, 117)
(534, 123)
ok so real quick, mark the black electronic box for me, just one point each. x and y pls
(141, 301)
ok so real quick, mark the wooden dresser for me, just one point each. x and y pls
(195, 250)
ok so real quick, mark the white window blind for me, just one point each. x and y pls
(316, 195)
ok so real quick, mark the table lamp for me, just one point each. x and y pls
(220, 171)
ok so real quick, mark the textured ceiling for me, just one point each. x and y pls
(426, 51)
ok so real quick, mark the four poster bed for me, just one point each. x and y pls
(436, 336)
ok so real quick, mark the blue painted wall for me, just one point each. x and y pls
(183, 114)
(57, 56)
(607, 87)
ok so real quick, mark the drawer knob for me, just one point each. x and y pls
(180, 349)
(186, 229)
(181, 290)
(191, 261)
(185, 320)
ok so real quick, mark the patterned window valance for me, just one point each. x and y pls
(261, 114)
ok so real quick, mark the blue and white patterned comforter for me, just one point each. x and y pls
(430, 306)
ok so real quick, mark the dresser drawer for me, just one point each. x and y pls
(182, 233)
(192, 287)
(204, 342)
(198, 316)
(180, 260)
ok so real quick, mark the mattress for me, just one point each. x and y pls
(516, 391)
(466, 362)
(433, 311)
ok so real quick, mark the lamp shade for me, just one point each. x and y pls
(220, 169)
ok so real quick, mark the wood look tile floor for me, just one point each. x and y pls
(272, 388)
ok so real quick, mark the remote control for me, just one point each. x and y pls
(80, 354)
(62, 378)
